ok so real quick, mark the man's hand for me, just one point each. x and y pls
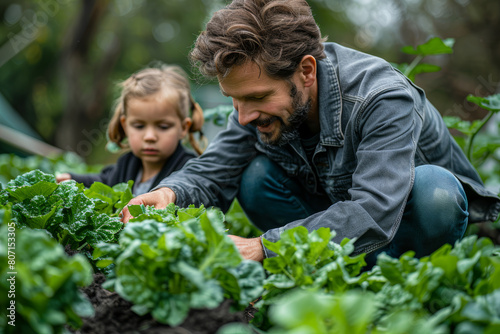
(159, 198)
(63, 177)
(250, 249)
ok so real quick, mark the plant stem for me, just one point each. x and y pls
(207, 262)
(82, 246)
(413, 64)
(473, 135)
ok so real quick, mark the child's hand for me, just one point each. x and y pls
(63, 177)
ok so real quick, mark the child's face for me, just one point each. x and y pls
(153, 129)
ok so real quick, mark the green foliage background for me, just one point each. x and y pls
(60, 60)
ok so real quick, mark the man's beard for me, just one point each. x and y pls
(290, 131)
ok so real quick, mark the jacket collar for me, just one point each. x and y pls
(329, 104)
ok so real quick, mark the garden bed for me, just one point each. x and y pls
(113, 314)
(174, 270)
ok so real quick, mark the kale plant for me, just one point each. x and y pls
(72, 215)
(41, 283)
(171, 260)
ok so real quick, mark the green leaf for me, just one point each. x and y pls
(148, 231)
(237, 222)
(136, 210)
(125, 194)
(311, 260)
(110, 200)
(314, 312)
(33, 213)
(235, 328)
(47, 283)
(457, 123)
(42, 188)
(210, 295)
(279, 281)
(422, 68)
(248, 277)
(31, 178)
(218, 114)
(391, 269)
(172, 310)
(434, 46)
(103, 263)
(484, 309)
(190, 273)
(490, 103)
(103, 229)
(101, 191)
(167, 215)
(78, 222)
(466, 265)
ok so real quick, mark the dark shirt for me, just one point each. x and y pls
(128, 167)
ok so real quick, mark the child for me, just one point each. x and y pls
(154, 112)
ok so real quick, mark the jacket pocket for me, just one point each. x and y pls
(337, 187)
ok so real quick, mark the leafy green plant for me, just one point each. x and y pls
(218, 115)
(311, 312)
(65, 210)
(438, 286)
(110, 200)
(178, 259)
(306, 259)
(468, 140)
(451, 291)
(479, 148)
(480, 315)
(237, 222)
(434, 46)
(11, 165)
(170, 215)
(43, 288)
(354, 311)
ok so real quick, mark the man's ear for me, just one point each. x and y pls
(307, 69)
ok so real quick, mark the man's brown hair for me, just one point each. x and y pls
(275, 34)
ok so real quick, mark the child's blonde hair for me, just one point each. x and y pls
(150, 81)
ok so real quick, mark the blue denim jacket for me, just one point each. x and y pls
(376, 126)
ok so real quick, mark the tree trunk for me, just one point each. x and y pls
(85, 83)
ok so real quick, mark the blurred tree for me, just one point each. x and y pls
(60, 60)
(83, 80)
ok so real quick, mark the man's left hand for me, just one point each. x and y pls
(250, 249)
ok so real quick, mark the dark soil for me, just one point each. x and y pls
(113, 315)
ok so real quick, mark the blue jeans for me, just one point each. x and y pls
(435, 214)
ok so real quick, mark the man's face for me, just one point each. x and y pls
(275, 107)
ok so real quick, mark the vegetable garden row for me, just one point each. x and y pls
(175, 268)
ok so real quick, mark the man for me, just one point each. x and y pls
(323, 136)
